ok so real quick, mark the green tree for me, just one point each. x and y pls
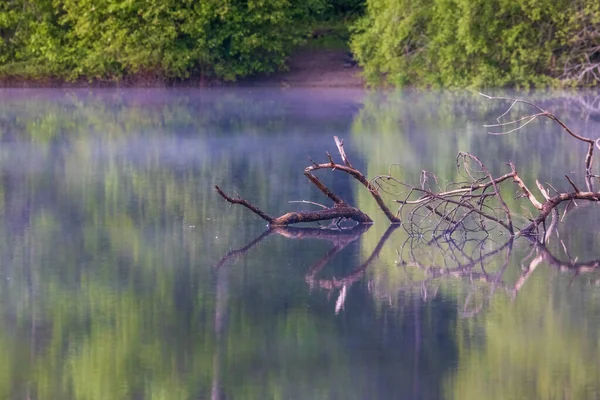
(110, 39)
(459, 43)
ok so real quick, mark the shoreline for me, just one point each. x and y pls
(307, 68)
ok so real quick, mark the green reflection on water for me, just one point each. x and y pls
(538, 340)
(111, 235)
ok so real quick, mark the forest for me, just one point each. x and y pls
(430, 43)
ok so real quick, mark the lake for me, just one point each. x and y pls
(125, 276)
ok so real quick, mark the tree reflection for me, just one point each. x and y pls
(340, 238)
(118, 282)
(486, 268)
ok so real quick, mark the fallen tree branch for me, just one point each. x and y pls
(552, 203)
(246, 204)
(549, 115)
(473, 206)
(467, 208)
(356, 174)
(340, 209)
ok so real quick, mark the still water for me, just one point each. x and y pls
(123, 275)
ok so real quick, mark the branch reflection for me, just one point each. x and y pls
(481, 262)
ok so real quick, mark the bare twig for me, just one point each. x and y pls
(308, 202)
(544, 113)
(246, 204)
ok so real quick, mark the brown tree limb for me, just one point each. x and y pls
(317, 182)
(356, 174)
(552, 203)
(464, 189)
(340, 145)
(524, 188)
(509, 222)
(246, 204)
(543, 113)
(339, 210)
(572, 184)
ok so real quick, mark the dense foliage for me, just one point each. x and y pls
(457, 43)
(109, 39)
(446, 43)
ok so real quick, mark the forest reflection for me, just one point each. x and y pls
(118, 280)
(486, 275)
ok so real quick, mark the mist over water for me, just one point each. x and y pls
(124, 275)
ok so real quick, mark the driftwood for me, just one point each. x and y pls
(444, 221)
(340, 209)
(476, 204)
(472, 206)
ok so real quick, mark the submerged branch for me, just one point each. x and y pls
(473, 206)
(340, 209)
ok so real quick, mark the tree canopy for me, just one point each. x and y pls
(459, 43)
(441, 43)
(109, 39)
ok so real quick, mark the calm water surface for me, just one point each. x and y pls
(123, 275)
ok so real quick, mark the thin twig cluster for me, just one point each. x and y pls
(475, 204)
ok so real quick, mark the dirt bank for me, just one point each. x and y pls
(314, 68)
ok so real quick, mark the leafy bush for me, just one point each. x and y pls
(458, 43)
(168, 39)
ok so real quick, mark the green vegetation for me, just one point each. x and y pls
(440, 43)
(110, 39)
(110, 238)
(461, 43)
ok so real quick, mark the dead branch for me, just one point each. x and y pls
(549, 206)
(526, 192)
(246, 204)
(356, 174)
(542, 113)
(474, 205)
(470, 206)
(340, 209)
(552, 203)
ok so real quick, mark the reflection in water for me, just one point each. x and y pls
(114, 285)
(460, 260)
(339, 238)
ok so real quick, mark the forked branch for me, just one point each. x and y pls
(475, 205)
(339, 211)
(542, 113)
